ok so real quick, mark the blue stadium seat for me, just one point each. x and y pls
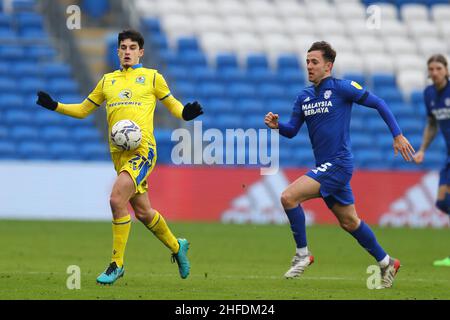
(21, 132)
(66, 86)
(177, 73)
(56, 133)
(211, 90)
(369, 158)
(357, 77)
(390, 95)
(261, 76)
(96, 9)
(6, 21)
(8, 150)
(249, 105)
(226, 61)
(288, 62)
(383, 80)
(29, 20)
(417, 97)
(64, 151)
(220, 105)
(228, 122)
(193, 59)
(184, 89)
(270, 91)
(7, 84)
(202, 74)
(40, 53)
(236, 91)
(57, 70)
(376, 124)
(291, 77)
(28, 68)
(8, 35)
(186, 44)
(45, 117)
(24, 5)
(357, 123)
(32, 85)
(94, 151)
(282, 106)
(18, 117)
(159, 40)
(11, 101)
(361, 141)
(257, 61)
(231, 76)
(4, 132)
(411, 125)
(14, 53)
(33, 151)
(151, 24)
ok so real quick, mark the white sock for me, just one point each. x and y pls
(302, 251)
(384, 262)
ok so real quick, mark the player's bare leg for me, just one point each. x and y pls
(349, 221)
(123, 189)
(302, 189)
(443, 205)
(156, 223)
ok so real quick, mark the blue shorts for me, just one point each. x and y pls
(444, 175)
(334, 178)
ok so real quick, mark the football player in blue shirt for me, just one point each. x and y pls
(437, 102)
(326, 108)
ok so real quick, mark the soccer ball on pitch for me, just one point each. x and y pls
(126, 135)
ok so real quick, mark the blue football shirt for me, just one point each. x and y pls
(326, 109)
(438, 106)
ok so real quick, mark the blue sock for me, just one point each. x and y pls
(444, 205)
(366, 238)
(296, 217)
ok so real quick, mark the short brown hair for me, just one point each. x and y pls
(328, 53)
(133, 35)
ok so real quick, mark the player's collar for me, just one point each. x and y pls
(139, 65)
(322, 83)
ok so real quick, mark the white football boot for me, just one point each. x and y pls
(298, 265)
(388, 273)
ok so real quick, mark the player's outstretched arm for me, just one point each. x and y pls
(271, 120)
(76, 110)
(429, 133)
(402, 145)
(44, 100)
(192, 111)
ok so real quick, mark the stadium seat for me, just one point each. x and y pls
(64, 151)
(94, 151)
(8, 150)
(33, 151)
(55, 133)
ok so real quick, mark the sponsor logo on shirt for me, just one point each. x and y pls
(311, 109)
(441, 113)
(125, 94)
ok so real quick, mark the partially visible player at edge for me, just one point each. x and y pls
(326, 108)
(437, 102)
(131, 93)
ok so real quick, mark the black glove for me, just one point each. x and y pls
(46, 101)
(192, 111)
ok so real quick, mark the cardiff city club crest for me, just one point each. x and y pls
(140, 79)
(327, 94)
(447, 102)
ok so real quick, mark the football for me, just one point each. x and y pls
(126, 135)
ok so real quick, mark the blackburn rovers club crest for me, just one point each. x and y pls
(327, 94)
(447, 102)
(140, 79)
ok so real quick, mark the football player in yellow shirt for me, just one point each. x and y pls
(131, 93)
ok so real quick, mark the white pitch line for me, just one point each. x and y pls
(242, 277)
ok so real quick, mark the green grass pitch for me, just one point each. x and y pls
(228, 262)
